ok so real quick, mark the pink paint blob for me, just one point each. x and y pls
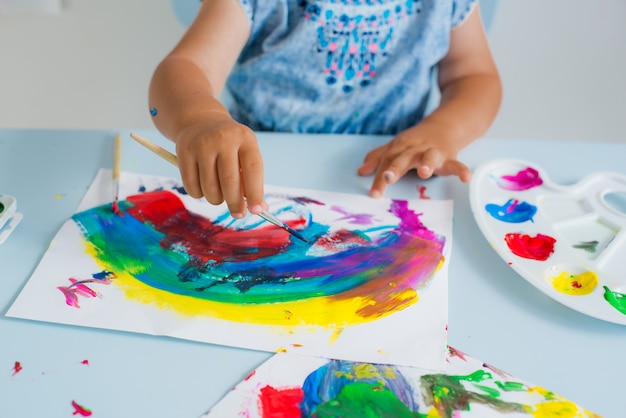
(523, 180)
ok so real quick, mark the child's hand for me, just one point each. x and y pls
(220, 159)
(428, 148)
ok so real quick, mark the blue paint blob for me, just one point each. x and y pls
(154, 111)
(513, 211)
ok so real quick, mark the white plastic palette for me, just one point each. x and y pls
(568, 241)
(9, 218)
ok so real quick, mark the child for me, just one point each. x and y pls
(324, 66)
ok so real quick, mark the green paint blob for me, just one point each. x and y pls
(617, 300)
(1, 207)
(365, 400)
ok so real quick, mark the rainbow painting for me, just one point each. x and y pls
(374, 271)
(289, 385)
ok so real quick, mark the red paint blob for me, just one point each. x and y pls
(85, 362)
(539, 247)
(422, 192)
(280, 403)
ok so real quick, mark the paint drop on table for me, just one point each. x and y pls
(80, 410)
(17, 367)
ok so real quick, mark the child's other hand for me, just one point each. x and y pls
(428, 148)
(220, 159)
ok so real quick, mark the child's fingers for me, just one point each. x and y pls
(456, 168)
(428, 163)
(253, 180)
(190, 177)
(230, 183)
(370, 162)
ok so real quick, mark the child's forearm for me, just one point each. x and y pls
(180, 94)
(468, 106)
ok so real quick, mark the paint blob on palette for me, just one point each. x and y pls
(289, 385)
(568, 241)
(168, 264)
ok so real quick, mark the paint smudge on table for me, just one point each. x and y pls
(422, 192)
(17, 367)
(80, 410)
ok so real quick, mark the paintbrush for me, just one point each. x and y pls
(117, 156)
(168, 156)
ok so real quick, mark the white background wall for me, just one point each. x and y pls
(562, 63)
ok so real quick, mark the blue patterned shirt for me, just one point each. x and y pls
(340, 66)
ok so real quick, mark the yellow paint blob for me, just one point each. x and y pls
(575, 284)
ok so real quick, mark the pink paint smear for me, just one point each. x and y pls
(80, 410)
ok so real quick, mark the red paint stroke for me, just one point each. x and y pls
(80, 410)
(85, 362)
(280, 403)
(250, 375)
(539, 247)
(17, 367)
(169, 216)
(422, 192)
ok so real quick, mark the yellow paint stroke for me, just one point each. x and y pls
(327, 312)
(575, 284)
(556, 407)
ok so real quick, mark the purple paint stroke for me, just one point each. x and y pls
(355, 218)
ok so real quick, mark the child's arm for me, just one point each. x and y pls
(470, 98)
(218, 157)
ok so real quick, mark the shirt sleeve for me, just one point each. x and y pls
(248, 7)
(461, 9)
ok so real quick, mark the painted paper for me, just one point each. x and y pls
(289, 385)
(370, 285)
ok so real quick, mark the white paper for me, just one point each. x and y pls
(365, 288)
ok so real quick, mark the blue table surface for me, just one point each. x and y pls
(494, 314)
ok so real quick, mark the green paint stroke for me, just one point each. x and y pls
(371, 401)
(615, 299)
(447, 394)
(589, 246)
(511, 386)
